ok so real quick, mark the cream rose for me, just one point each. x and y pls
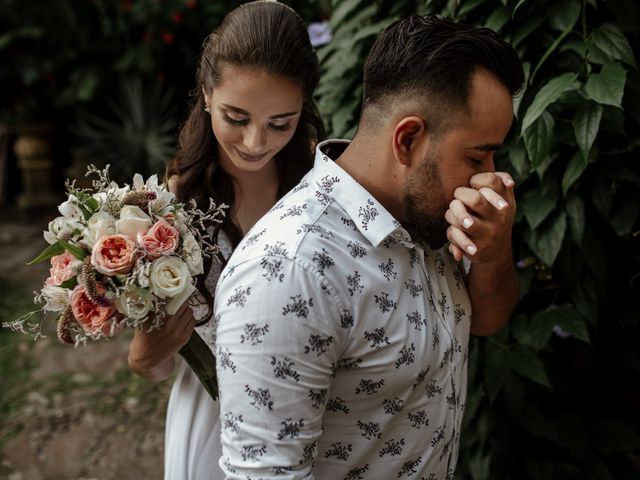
(134, 303)
(169, 278)
(99, 225)
(192, 254)
(133, 221)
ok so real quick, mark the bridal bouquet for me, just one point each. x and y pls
(123, 256)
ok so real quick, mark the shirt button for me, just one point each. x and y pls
(397, 234)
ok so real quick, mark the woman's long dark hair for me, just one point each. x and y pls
(265, 35)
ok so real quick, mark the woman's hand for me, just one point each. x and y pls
(151, 354)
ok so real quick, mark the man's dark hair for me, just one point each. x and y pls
(434, 58)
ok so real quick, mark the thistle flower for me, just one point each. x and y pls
(66, 322)
(139, 198)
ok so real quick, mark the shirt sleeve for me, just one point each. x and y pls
(278, 341)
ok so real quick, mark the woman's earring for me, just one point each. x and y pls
(206, 108)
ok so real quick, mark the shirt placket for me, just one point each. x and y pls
(434, 291)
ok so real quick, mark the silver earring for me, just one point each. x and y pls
(206, 108)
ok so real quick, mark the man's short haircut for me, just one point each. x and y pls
(432, 59)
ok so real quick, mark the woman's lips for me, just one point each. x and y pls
(251, 158)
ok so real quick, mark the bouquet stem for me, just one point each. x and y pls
(203, 363)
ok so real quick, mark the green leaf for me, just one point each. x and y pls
(468, 6)
(585, 126)
(575, 209)
(614, 437)
(549, 51)
(626, 216)
(77, 252)
(563, 15)
(547, 95)
(70, 284)
(526, 363)
(574, 170)
(92, 204)
(372, 30)
(517, 157)
(531, 332)
(480, 465)
(569, 320)
(344, 9)
(538, 139)
(538, 204)
(546, 240)
(51, 251)
(607, 87)
(498, 19)
(495, 371)
(539, 467)
(529, 26)
(612, 41)
(517, 7)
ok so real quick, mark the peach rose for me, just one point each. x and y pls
(113, 254)
(161, 239)
(92, 317)
(63, 267)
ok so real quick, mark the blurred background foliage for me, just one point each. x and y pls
(557, 394)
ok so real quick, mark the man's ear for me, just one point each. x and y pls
(409, 137)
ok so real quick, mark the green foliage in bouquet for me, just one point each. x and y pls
(555, 395)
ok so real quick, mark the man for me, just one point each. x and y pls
(343, 320)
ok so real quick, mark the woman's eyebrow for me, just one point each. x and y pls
(244, 112)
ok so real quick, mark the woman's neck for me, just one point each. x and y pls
(255, 194)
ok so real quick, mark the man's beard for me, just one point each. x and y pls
(425, 204)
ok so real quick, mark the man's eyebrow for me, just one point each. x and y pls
(486, 147)
(244, 112)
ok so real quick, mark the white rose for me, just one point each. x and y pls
(57, 298)
(99, 225)
(70, 210)
(134, 303)
(62, 228)
(168, 277)
(133, 221)
(192, 254)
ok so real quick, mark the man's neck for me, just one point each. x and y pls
(365, 162)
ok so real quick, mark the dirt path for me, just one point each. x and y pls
(77, 413)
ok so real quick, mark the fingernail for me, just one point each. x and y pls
(510, 182)
(502, 204)
(471, 250)
(467, 222)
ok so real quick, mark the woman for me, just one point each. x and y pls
(247, 141)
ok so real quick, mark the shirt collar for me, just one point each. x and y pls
(370, 217)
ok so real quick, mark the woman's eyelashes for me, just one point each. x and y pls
(235, 122)
(245, 121)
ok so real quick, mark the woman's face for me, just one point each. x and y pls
(253, 115)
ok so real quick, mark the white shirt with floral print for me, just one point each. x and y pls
(342, 344)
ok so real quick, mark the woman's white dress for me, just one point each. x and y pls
(192, 433)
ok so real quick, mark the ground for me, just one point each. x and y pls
(68, 413)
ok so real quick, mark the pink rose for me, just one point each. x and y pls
(63, 268)
(161, 239)
(113, 254)
(92, 317)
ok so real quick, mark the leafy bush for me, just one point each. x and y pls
(556, 394)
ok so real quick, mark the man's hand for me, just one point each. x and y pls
(481, 218)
